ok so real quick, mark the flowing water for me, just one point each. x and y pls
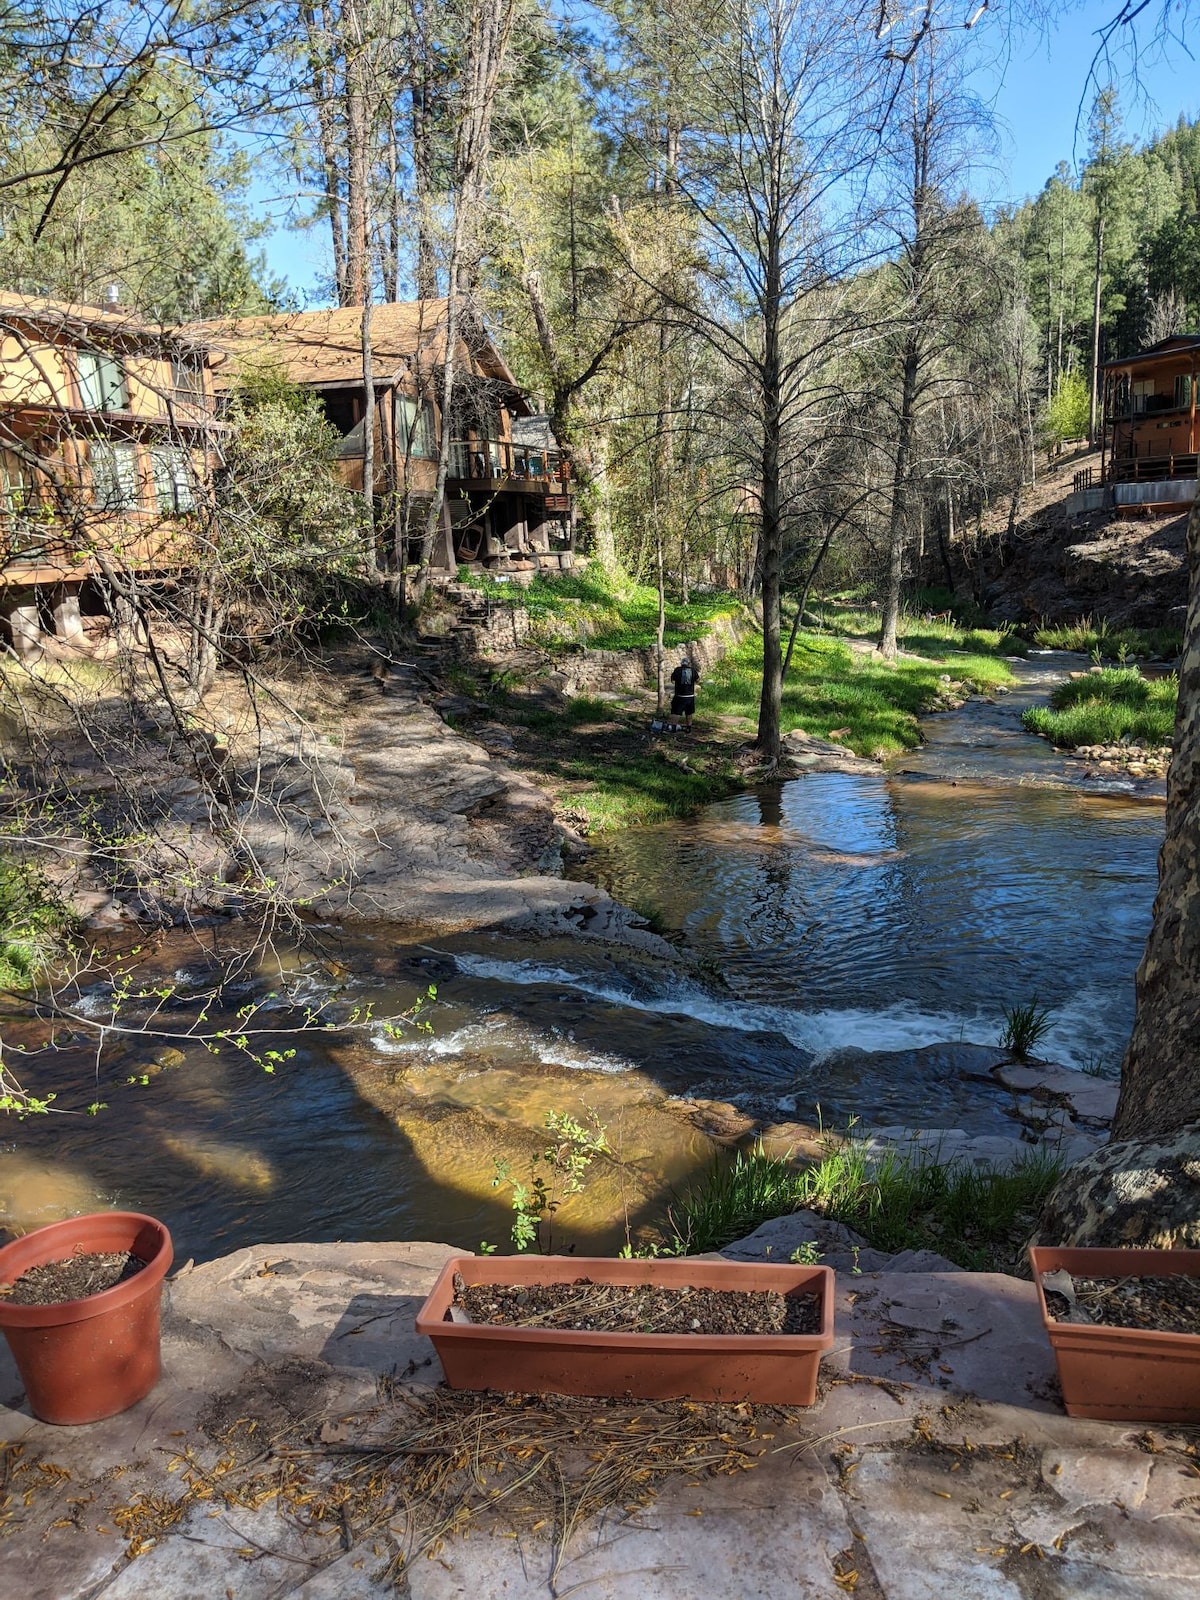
(827, 923)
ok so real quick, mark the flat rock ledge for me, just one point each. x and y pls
(937, 1463)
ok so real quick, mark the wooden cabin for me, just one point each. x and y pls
(106, 430)
(508, 501)
(1151, 433)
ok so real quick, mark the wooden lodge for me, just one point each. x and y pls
(1151, 433)
(507, 504)
(106, 430)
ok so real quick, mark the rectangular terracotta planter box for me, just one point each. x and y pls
(775, 1369)
(1122, 1374)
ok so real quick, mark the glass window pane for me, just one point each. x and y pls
(116, 391)
(114, 475)
(102, 385)
(172, 479)
(91, 390)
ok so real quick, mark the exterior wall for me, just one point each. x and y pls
(1146, 428)
(1169, 491)
(50, 522)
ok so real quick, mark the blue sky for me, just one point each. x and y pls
(1037, 85)
(1040, 92)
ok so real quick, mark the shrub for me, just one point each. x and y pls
(1068, 412)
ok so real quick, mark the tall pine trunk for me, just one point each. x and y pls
(898, 530)
(1094, 406)
(1160, 1075)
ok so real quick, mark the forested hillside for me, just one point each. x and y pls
(1131, 217)
(742, 258)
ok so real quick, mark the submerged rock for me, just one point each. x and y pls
(1138, 1193)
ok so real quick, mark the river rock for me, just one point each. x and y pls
(1138, 1193)
(834, 1244)
(1089, 1099)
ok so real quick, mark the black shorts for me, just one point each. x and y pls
(683, 705)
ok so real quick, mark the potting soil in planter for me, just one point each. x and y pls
(637, 1308)
(74, 1278)
(1162, 1304)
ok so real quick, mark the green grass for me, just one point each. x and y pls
(605, 612)
(1024, 1027)
(977, 1218)
(1108, 707)
(618, 777)
(1095, 636)
(830, 687)
(926, 630)
(32, 923)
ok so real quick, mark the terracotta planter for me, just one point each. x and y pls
(1122, 1374)
(86, 1359)
(776, 1369)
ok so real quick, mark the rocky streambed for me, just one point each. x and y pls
(841, 947)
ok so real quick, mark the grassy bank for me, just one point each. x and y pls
(979, 1219)
(866, 703)
(604, 611)
(1096, 637)
(1107, 707)
(607, 770)
(33, 922)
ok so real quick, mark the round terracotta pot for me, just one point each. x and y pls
(86, 1359)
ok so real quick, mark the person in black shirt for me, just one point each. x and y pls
(683, 702)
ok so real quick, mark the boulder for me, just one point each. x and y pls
(1140, 1193)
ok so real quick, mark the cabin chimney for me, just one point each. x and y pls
(112, 296)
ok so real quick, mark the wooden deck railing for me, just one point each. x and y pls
(489, 460)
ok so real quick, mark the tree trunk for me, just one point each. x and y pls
(322, 83)
(1160, 1075)
(898, 535)
(1094, 406)
(770, 705)
(358, 156)
(421, 57)
(660, 630)
(368, 370)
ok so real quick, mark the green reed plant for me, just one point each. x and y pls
(1107, 707)
(977, 1217)
(1024, 1027)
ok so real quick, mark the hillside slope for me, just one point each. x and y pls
(1057, 568)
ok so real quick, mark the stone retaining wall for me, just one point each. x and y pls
(621, 671)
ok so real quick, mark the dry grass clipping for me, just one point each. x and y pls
(425, 1465)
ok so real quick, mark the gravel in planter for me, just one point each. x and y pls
(1169, 1304)
(74, 1278)
(590, 1307)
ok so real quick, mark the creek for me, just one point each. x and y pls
(824, 925)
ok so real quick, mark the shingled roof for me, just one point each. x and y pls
(323, 349)
(99, 324)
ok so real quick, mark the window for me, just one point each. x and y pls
(416, 432)
(115, 475)
(187, 385)
(102, 385)
(16, 480)
(172, 479)
(1183, 392)
(187, 378)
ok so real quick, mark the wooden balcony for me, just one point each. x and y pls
(495, 465)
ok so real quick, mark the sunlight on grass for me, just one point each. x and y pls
(1097, 636)
(1106, 708)
(978, 1218)
(873, 706)
(608, 612)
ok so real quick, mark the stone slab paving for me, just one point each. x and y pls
(937, 1464)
